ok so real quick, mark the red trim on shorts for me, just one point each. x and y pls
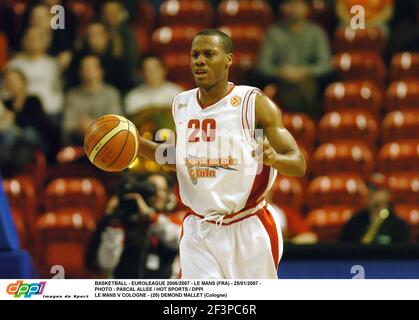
(203, 107)
(268, 222)
(227, 216)
(225, 223)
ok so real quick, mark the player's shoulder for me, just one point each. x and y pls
(244, 90)
(184, 96)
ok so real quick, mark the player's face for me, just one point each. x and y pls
(209, 61)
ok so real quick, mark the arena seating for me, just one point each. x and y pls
(61, 238)
(360, 40)
(402, 95)
(23, 201)
(302, 127)
(353, 95)
(343, 157)
(400, 125)
(327, 222)
(233, 12)
(400, 156)
(288, 191)
(198, 13)
(360, 66)
(87, 193)
(343, 125)
(337, 190)
(405, 66)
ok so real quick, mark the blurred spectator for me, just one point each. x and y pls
(96, 41)
(293, 227)
(130, 7)
(122, 39)
(41, 71)
(377, 223)
(24, 126)
(136, 239)
(155, 92)
(60, 41)
(378, 13)
(296, 54)
(85, 103)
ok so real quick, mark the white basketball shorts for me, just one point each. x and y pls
(244, 245)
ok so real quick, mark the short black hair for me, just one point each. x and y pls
(225, 39)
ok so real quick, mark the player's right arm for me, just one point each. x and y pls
(153, 151)
(162, 153)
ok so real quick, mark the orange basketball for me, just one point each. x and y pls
(111, 143)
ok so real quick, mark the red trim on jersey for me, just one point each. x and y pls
(174, 108)
(247, 107)
(256, 91)
(181, 236)
(245, 111)
(268, 222)
(203, 107)
(244, 115)
(259, 186)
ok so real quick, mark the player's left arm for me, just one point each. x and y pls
(281, 151)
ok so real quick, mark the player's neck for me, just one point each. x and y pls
(209, 96)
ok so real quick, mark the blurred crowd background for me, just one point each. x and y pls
(349, 96)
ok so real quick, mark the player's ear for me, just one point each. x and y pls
(229, 60)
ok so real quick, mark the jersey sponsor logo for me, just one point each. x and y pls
(207, 168)
(235, 101)
(182, 105)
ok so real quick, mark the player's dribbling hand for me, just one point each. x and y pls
(265, 151)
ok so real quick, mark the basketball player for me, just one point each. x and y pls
(229, 232)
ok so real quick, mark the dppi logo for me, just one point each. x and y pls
(27, 290)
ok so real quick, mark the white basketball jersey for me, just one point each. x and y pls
(216, 171)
